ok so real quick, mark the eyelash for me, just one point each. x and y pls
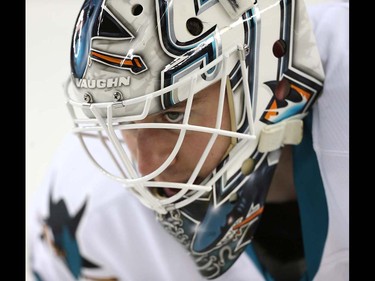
(178, 120)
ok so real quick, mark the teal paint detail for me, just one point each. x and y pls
(311, 199)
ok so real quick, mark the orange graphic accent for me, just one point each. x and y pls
(304, 93)
(271, 113)
(113, 60)
(248, 219)
(137, 62)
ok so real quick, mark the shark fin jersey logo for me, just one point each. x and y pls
(59, 232)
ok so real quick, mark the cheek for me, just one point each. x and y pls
(195, 145)
(131, 142)
(219, 150)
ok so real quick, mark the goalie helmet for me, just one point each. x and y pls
(134, 61)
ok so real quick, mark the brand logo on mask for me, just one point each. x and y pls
(102, 83)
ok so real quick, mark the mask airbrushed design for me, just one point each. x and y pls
(134, 61)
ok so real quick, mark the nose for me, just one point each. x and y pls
(153, 148)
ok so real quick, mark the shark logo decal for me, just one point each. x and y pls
(97, 22)
(295, 102)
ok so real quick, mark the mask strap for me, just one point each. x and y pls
(275, 136)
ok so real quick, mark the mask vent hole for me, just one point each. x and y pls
(137, 9)
(194, 26)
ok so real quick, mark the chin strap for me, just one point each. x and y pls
(275, 136)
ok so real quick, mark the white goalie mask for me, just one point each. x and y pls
(239, 76)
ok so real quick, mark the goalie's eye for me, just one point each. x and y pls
(174, 116)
